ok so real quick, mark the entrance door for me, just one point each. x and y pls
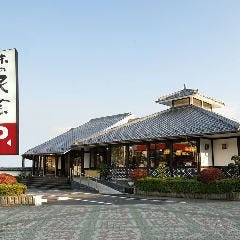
(50, 165)
(77, 166)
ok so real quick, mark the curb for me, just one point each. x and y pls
(232, 196)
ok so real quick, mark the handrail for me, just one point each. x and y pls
(88, 178)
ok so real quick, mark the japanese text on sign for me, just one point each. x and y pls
(8, 102)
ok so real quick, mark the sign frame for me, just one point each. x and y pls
(9, 102)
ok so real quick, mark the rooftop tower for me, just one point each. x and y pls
(188, 96)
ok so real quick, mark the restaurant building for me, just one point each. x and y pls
(187, 136)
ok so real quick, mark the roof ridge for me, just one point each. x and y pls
(169, 117)
(164, 97)
(134, 121)
(50, 144)
(116, 115)
(211, 98)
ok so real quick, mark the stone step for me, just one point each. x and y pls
(47, 182)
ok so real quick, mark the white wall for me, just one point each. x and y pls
(206, 154)
(86, 160)
(222, 157)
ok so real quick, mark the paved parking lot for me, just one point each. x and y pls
(82, 215)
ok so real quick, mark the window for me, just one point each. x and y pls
(224, 146)
(181, 102)
(207, 106)
(197, 102)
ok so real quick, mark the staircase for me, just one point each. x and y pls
(47, 182)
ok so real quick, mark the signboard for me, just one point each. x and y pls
(8, 102)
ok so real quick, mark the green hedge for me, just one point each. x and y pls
(12, 189)
(182, 185)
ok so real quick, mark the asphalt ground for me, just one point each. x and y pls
(76, 214)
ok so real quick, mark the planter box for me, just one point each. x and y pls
(17, 200)
(235, 196)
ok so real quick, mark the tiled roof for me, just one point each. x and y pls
(62, 143)
(176, 122)
(179, 94)
(186, 92)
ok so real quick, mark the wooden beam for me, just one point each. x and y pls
(127, 155)
(238, 145)
(148, 157)
(213, 163)
(171, 156)
(23, 161)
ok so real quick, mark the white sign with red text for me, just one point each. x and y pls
(8, 102)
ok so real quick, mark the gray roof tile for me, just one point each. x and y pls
(186, 92)
(175, 122)
(179, 94)
(62, 143)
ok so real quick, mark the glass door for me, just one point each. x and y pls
(51, 165)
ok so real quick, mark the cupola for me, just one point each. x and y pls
(188, 96)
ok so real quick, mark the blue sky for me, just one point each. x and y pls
(84, 59)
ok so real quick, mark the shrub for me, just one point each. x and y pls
(12, 189)
(7, 178)
(181, 185)
(138, 173)
(234, 168)
(209, 175)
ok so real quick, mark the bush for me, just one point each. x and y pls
(138, 173)
(233, 169)
(209, 175)
(7, 178)
(12, 189)
(182, 185)
(103, 171)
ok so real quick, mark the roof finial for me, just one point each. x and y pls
(184, 86)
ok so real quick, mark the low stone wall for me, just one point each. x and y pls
(17, 200)
(235, 196)
(16, 171)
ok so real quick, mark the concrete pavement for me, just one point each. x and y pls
(81, 215)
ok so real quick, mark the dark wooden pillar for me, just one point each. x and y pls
(33, 166)
(39, 165)
(155, 155)
(109, 155)
(198, 157)
(127, 159)
(95, 157)
(148, 157)
(56, 165)
(63, 159)
(82, 161)
(71, 158)
(238, 145)
(170, 142)
(23, 162)
(213, 163)
(44, 165)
